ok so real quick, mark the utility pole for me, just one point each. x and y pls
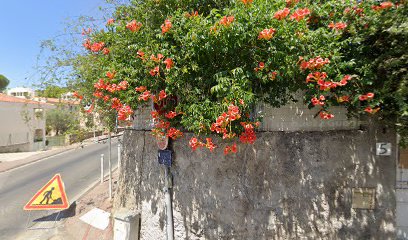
(110, 165)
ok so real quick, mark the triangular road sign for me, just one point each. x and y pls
(51, 196)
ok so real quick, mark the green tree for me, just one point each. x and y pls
(4, 82)
(60, 121)
(52, 91)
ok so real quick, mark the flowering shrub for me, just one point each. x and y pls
(211, 63)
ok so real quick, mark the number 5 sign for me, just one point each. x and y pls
(383, 149)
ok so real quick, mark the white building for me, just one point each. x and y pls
(22, 124)
(21, 92)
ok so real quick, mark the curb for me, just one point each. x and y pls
(92, 186)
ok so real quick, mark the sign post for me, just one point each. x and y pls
(101, 168)
(110, 165)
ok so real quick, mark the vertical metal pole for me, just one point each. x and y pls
(101, 168)
(169, 210)
(119, 155)
(94, 126)
(110, 165)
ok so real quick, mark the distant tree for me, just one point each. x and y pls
(4, 82)
(52, 92)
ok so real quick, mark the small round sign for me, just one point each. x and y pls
(162, 142)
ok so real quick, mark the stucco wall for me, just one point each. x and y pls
(15, 131)
(289, 185)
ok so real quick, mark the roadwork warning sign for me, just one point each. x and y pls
(51, 196)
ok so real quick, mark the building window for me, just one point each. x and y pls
(38, 135)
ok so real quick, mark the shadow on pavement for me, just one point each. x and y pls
(67, 213)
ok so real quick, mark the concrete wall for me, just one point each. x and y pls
(297, 117)
(288, 118)
(17, 134)
(289, 185)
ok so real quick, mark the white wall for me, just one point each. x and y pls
(14, 129)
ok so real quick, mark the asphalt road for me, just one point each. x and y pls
(79, 169)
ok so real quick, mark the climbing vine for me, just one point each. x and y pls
(206, 64)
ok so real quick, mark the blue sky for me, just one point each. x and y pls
(24, 24)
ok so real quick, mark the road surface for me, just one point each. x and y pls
(79, 169)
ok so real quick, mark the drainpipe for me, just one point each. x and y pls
(169, 208)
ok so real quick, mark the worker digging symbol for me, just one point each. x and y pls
(47, 196)
(51, 196)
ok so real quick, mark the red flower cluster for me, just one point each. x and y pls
(124, 112)
(266, 34)
(227, 20)
(134, 26)
(313, 63)
(169, 63)
(248, 136)
(194, 143)
(299, 14)
(326, 115)
(337, 26)
(367, 96)
(315, 101)
(110, 74)
(98, 94)
(261, 65)
(246, 2)
(105, 51)
(320, 77)
(95, 47)
(166, 26)
(343, 99)
(174, 133)
(123, 85)
(140, 89)
(155, 71)
(141, 55)
(344, 80)
(273, 75)
(383, 5)
(230, 149)
(116, 104)
(281, 14)
(316, 77)
(162, 95)
(357, 10)
(100, 84)
(156, 59)
(210, 145)
(161, 128)
(192, 14)
(76, 94)
(220, 126)
(110, 21)
(370, 110)
(145, 96)
(170, 115)
(86, 31)
(98, 46)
